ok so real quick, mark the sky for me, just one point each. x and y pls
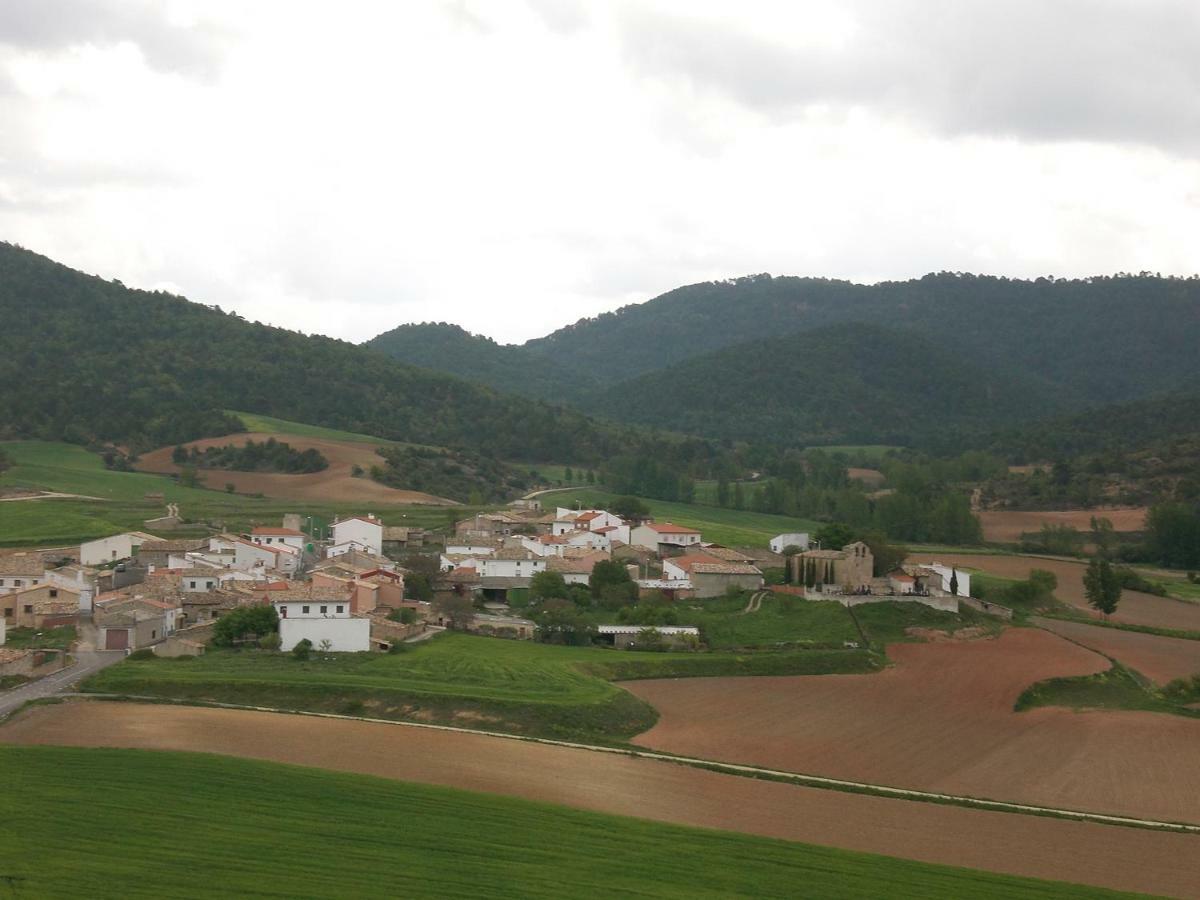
(512, 166)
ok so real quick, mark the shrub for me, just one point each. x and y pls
(302, 650)
(144, 653)
(269, 641)
(259, 620)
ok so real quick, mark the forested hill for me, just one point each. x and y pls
(1104, 339)
(84, 359)
(847, 383)
(505, 367)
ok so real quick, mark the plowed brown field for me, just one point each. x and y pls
(332, 484)
(1135, 607)
(1160, 659)
(1007, 526)
(941, 719)
(1081, 852)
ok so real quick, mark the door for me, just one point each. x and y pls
(116, 639)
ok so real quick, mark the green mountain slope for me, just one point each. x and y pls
(505, 367)
(845, 383)
(1100, 340)
(86, 359)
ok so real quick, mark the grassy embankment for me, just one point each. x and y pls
(121, 503)
(734, 527)
(45, 639)
(315, 833)
(515, 686)
(1116, 688)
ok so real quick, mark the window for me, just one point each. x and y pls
(53, 592)
(1, 582)
(339, 609)
(324, 610)
(8, 612)
(192, 585)
(304, 609)
(17, 582)
(153, 635)
(28, 609)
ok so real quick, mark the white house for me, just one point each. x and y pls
(265, 534)
(360, 532)
(510, 564)
(21, 570)
(81, 578)
(595, 519)
(592, 540)
(249, 555)
(651, 534)
(679, 568)
(321, 620)
(111, 549)
(781, 542)
(467, 548)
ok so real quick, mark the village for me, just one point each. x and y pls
(344, 591)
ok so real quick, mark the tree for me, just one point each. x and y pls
(650, 638)
(810, 573)
(1103, 535)
(568, 475)
(1044, 581)
(887, 556)
(546, 584)
(457, 611)
(953, 582)
(610, 582)
(230, 487)
(417, 586)
(179, 455)
(257, 620)
(629, 507)
(302, 650)
(562, 622)
(834, 536)
(1101, 585)
(739, 496)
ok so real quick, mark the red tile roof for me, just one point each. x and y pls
(669, 528)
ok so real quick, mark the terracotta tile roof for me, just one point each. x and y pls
(691, 559)
(671, 528)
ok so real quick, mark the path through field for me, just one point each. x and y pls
(941, 719)
(335, 483)
(1135, 607)
(1082, 852)
(1161, 659)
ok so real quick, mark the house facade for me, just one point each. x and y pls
(21, 570)
(114, 548)
(653, 535)
(357, 532)
(321, 620)
(781, 542)
(273, 537)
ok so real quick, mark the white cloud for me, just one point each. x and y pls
(514, 167)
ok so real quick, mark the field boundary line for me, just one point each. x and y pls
(739, 769)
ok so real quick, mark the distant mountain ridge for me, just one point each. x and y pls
(1068, 344)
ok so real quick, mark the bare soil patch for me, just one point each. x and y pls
(1080, 852)
(1135, 607)
(335, 484)
(1161, 659)
(941, 719)
(871, 478)
(1007, 526)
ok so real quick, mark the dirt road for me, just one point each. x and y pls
(1082, 852)
(1135, 607)
(941, 719)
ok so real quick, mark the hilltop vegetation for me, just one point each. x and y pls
(253, 456)
(842, 384)
(474, 357)
(148, 369)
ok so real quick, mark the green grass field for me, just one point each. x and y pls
(196, 825)
(66, 468)
(780, 620)
(732, 527)
(255, 422)
(515, 686)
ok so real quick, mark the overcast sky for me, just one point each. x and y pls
(514, 166)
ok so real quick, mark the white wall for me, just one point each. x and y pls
(346, 635)
(511, 568)
(105, 550)
(964, 580)
(368, 534)
(672, 572)
(295, 541)
(295, 609)
(781, 542)
(645, 536)
(480, 549)
(3, 634)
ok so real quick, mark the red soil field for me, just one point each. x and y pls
(334, 484)
(1161, 659)
(1007, 526)
(941, 719)
(869, 477)
(1081, 852)
(1135, 607)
